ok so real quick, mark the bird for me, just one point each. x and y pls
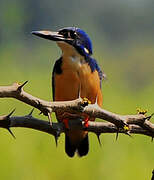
(76, 71)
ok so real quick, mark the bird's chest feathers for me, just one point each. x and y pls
(71, 59)
(72, 62)
(75, 63)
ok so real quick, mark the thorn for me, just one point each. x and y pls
(40, 113)
(56, 139)
(98, 137)
(128, 133)
(149, 117)
(22, 85)
(11, 133)
(79, 95)
(50, 119)
(56, 136)
(96, 102)
(117, 134)
(31, 112)
(11, 113)
(152, 175)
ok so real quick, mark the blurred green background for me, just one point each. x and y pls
(123, 40)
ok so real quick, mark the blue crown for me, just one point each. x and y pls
(81, 40)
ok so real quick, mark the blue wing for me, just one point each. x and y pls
(94, 66)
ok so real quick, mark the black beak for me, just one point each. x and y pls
(50, 35)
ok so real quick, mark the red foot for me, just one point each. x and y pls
(65, 121)
(86, 124)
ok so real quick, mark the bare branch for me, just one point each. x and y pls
(127, 124)
(96, 127)
(77, 105)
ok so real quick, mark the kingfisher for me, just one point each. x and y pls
(75, 71)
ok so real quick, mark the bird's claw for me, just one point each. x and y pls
(86, 124)
(67, 116)
(66, 123)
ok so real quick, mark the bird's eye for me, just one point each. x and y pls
(64, 33)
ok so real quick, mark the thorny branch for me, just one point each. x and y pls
(127, 124)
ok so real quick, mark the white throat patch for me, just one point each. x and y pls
(74, 58)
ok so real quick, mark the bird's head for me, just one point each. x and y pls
(69, 37)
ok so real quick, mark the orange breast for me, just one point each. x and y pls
(69, 83)
(72, 80)
(90, 85)
(66, 86)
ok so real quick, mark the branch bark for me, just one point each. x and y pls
(127, 124)
(56, 129)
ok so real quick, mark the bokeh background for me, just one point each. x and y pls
(122, 33)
